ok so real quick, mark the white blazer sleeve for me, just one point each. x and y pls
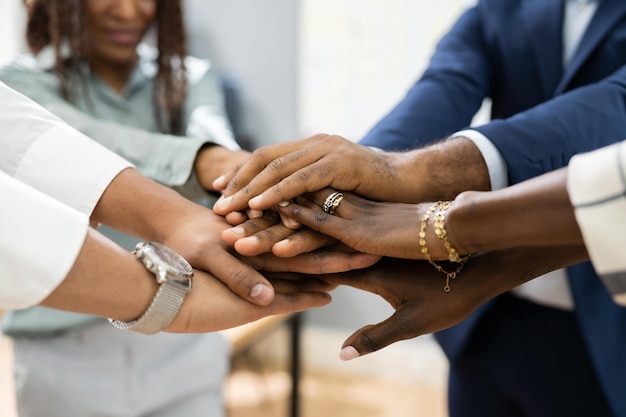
(39, 243)
(597, 189)
(42, 151)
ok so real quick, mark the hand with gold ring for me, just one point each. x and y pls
(267, 234)
(385, 229)
(332, 202)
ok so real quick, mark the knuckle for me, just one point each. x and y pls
(259, 154)
(251, 226)
(276, 165)
(239, 278)
(296, 155)
(320, 218)
(234, 182)
(324, 170)
(277, 188)
(301, 176)
(369, 343)
(267, 235)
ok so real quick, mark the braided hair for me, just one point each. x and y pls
(59, 23)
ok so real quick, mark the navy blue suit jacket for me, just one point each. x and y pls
(511, 51)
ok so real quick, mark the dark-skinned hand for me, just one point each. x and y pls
(415, 291)
(283, 171)
(385, 229)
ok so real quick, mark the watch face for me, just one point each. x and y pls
(176, 264)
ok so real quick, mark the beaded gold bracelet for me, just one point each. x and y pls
(424, 248)
(440, 231)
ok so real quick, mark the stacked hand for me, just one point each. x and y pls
(211, 306)
(414, 290)
(376, 212)
(282, 172)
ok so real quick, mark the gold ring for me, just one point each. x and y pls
(332, 202)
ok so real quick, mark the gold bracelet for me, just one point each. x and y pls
(440, 231)
(422, 242)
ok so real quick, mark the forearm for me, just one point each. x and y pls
(442, 171)
(138, 206)
(106, 281)
(502, 270)
(537, 212)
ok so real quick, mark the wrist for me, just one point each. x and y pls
(445, 169)
(140, 298)
(403, 178)
(173, 275)
(214, 160)
(460, 221)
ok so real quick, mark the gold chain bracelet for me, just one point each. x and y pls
(440, 230)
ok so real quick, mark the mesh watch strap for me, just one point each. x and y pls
(161, 312)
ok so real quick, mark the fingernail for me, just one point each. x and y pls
(281, 248)
(223, 202)
(291, 223)
(348, 353)
(255, 214)
(256, 200)
(261, 293)
(251, 240)
(284, 203)
(284, 242)
(239, 231)
(219, 180)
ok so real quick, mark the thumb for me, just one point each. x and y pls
(374, 337)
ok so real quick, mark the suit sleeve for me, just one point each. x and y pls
(545, 137)
(446, 97)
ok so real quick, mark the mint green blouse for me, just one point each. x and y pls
(126, 124)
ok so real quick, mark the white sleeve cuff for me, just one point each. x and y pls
(214, 128)
(597, 190)
(496, 165)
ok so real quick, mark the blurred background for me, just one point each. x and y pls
(304, 67)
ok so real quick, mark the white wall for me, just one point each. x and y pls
(358, 58)
(256, 42)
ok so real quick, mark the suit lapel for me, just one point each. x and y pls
(544, 22)
(609, 12)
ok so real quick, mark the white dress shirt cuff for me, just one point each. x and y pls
(496, 165)
(551, 289)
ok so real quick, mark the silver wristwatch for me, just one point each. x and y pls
(173, 273)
